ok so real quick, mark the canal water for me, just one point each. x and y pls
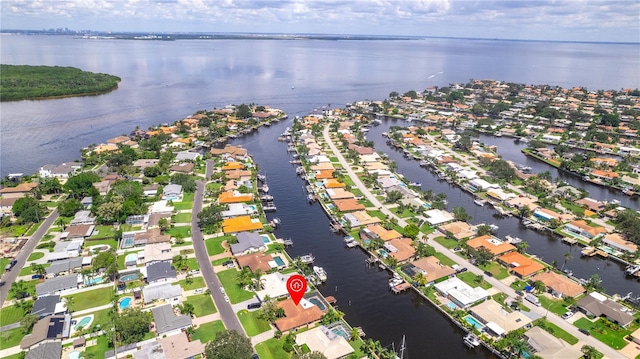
(547, 247)
(362, 292)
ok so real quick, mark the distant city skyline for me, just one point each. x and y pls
(573, 20)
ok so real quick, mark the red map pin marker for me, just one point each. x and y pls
(296, 285)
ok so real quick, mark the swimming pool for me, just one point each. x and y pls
(317, 303)
(129, 277)
(131, 258)
(476, 324)
(74, 355)
(125, 303)
(265, 239)
(279, 261)
(83, 323)
(253, 207)
(127, 242)
(340, 329)
(93, 281)
(452, 306)
(383, 253)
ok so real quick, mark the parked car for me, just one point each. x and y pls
(222, 290)
(229, 264)
(254, 305)
(37, 276)
(533, 299)
(463, 269)
(567, 315)
(584, 331)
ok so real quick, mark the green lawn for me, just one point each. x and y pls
(366, 203)
(272, 349)
(103, 231)
(15, 356)
(3, 263)
(35, 256)
(218, 262)
(447, 242)
(198, 282)
(180, 231)
(10, 338)
(30, 288)
(193, 264)
(518, 285)
(498, 271)
(444, 260)
(470, 279)
(235, 293)
(202, 304)
(182, 217)
(100, 348)
(100, 317)
(377, 213)
(187, 202)
(558, 307)
(556, 331)
(110, 242)
(11, 314)
(91, 298)
(207, 332)
(251, 323)
(611, 337)
(214, 245)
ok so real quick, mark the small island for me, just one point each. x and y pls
(24, 82)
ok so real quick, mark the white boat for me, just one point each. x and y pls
(350, 242)
(307, 258)
(264, 188)
(320, 273)
(479, 202)
(415, 184)
(266, 198)
(394, 281)
(471, 340)
(261, 177)
(493, 227)
(632, 269)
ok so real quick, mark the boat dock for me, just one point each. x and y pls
(588, 251)
(569, 240)
(396, 289)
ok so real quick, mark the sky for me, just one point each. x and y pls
(572, 20)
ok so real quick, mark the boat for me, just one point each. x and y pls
(311, 197)
(264, 188)
(276, 221)
(632, 269)
(493, 227)
(320, 273)
(307, 258)
(513, 240)
(415, 184)
(350, 242)
(261, 177)
(471, 340)
(269, 207)
(299, 170)
(376, 122)
(395, 280)
(266, 198)
(479, 202)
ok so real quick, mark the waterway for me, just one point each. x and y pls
(546, 246)
(512, 151)
(362, 292)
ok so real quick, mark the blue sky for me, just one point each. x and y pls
(572, 20)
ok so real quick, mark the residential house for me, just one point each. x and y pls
(49, 305)
(619, 242)
(248, 242)
(62, 171)
(348, 205)
(67, 266)
(547, 346)
(187, 156)
(496, 319)
(437, 217)
(151, 190)
(160, 272)
(238, 209)
(583, 229)
(520, 265)
(360, 218)
(83, 217)
(19, 191)
(559, 285)
(432, 269)
(302, 315)
(156, 252)
(598, 305)
(461, 293)
(400, 249)
(492, 244)
(180, 347)
(48, 350)
(58, 285)
(167, 322)
(51, 328)
(172, 192)
(234, 197)
(458, 230)
(167, 292)
(377, 231)
(255, 261)
(274, 285)
(325, 341)
(241, 224)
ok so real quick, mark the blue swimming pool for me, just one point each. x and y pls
(253, 207)
(383, 253)
(129, 277)
(279, 261)
(476, 324)
(125, 303)
(93, 281)
(340, 329)
(83, 322)
(317, 303)
(127, 242)
(131, 258)
(452, 306)
(265, 239)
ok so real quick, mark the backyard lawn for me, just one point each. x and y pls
(556, 331)
(214, 245)
(35, 256)
(91, 298)
(202, 304)
(10, 338)
(100, 348)
(180, 231)
(558, 307)
(229, 281)
(11, 314)
(207, 332)
(272, 349)
(110, 242)
(100, 317)
(612, 337)
(182, 217)
(472, 280)
(251, 323)
(498, 271)
(198, 282)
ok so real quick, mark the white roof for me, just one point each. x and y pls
(275, 285)
(437, 216)
(495, 328)
(461, 292)
(237, 209)
(325, 341)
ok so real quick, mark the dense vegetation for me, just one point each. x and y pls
(35, 82)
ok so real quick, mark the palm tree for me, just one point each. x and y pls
(257, 275)
(522, 247)
(61, 223)
(567, 257)
(589, 352)
(70, 301)
(18, 289)
(355, 334)
(420, 279)
(518, 347)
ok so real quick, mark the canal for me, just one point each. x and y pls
(547, 247)
(362, 293)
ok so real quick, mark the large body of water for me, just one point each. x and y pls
(166, 81)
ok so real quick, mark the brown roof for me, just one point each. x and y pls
(179, 347)
(458, 230)
(348, 205)
(383, 233)
(521, 265)
(255, 261)
(185, 167)
(404, 247)
(493, 244)
(296, 316)
(81, 231)
(432, 268)
(22, 187)
(559, 283)
(150, 236)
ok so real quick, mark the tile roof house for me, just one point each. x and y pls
(400, 249)
(160, 272)
(360, 218)
(619, 242)
(547, 346)
(582, 228)
(296, 316)
(458, 230)
(241, 224)
(339, 193)
(503, 322)
(377, 231)
(559, 285)
(50, 350)
(491, 243)
(520, 265)
(598, 305)
(431, 268)
(180, 347)
(167, 322)
(238, 209)
(248, 242)
(234, 197)
(255, 261)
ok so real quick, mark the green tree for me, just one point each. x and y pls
(211, 217)
(27, 322)
(131, 325)
(228, 345)
(243, 111)
(28, 210)
(460, 213)
(81, 185)
(393, 196)
(186, 308)
(69, 207)
(411, 230)
(590, 352)
(38, 269)
(310, 355)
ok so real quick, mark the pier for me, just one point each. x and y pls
(397, 289)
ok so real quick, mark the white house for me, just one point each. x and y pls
(172, 192)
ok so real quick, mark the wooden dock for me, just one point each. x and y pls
(396, 289)
(569, 240)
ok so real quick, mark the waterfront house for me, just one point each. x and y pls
(436, 217)
(500, 195)
(591, 204)
(19, 191)
(167, 322)
(170, 293)
(256, 261)
(238, 209)
(187, 156)
(619, 242)
(462, 294)
(497, 320)
(248, 242)
(546, 346)
(274, 285)
(583, 229)
(360, 218)
(304, 314)
(333, 183)
(236, 152)
(559, 285)
(145, 163)
(47, 350)
(160, 272)
(339, 193)
(400, 249)
(348, 205)
(431, 268)
(234, 197)
(544, 214)
(458, 230)
(51, 328)
(478, 184)
(172, 192)
(377, 231)
(599, 305)
(520, 265)
(241, 224)
(494, 245)
(519, 202)
(325, 341)
(62, 171)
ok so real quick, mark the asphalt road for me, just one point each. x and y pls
(551, 317)
(9, 277)
(227, 314)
